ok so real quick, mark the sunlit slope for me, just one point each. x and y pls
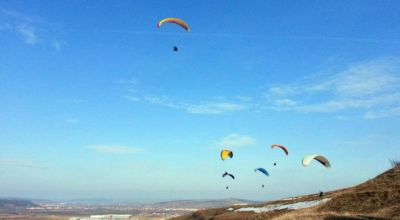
(378, 198)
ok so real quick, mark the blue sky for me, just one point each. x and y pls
(94, 103)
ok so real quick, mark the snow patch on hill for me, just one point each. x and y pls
(292, 206)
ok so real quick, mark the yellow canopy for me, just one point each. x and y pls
(225, 154)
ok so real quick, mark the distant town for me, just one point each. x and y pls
(22, 208)
(108, 212)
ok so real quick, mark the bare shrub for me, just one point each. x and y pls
(395, 163)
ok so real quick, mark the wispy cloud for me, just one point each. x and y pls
(132, 98)
(236, 140)
(113, 149)
(23, 164)
(30, 29)
(58, 45)
(210, 107)
(370, 87)
(131, 87)
(70, 101)
(23, 25)
(214, 108)
(216, 105)
(28, 33)
(365, 86)
(392, 112)
(162, 101)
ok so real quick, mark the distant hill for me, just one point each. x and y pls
(201, 204)
(5, 202)
(378, 198)
(13, 206)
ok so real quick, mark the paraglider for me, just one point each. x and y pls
(307, 160)
(284, 149)
(225, 154)
(281, 147)
(262, 170)
(177, 21)
(228, 174)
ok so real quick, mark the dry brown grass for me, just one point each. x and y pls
(378, 198)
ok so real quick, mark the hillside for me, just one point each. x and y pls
(378, 198)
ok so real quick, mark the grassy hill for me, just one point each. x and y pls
(378, 198)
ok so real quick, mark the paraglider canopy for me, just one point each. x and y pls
(261, 170)
(307, 160)
(225, 154)
(281, 147)
(177, 21)
(228, 174)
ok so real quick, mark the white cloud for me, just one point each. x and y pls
(236, 140)
(113, 149)
(214, 108)
(283, 90)
(70, 101)
(366, 79)
(162, 101)
(28, 33)
(23, 25)
(365, 86)
(393, 112)
(31, 29)
(131, 87)
(285, 102)
(372, 88)
(215, 105)
(132, 98)
(351, 103)
(58, 45)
